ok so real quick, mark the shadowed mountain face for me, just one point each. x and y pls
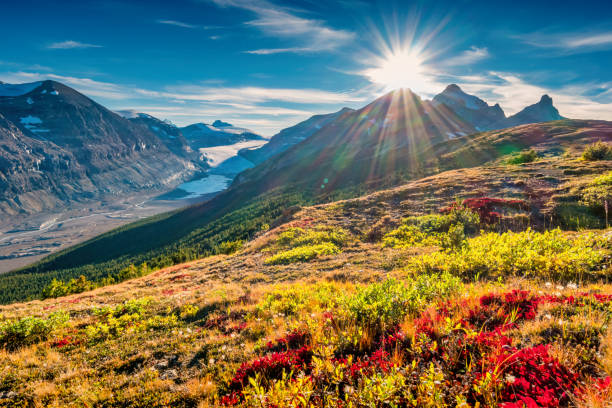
(543, 111)
(385, 138)
(170, 135)
(86, 150)
(471, 108)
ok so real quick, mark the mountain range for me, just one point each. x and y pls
(396, 138)
(58, 147)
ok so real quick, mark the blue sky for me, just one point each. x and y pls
(267, 64)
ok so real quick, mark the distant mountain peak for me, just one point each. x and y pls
(220, 124)
(452, 88)
(546, 100)
(543, 111)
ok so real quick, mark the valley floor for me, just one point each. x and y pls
(25, 240)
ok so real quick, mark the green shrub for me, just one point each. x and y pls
(59, 288)
(523, 157)
(444, 230)
(230, 247)
(295, 237)
(302, 245)
(547, 255)
(387, 303)
(598, 151)
(292, 299)
(576, 216)
(599, 193)
(30, 330)
(302, 254)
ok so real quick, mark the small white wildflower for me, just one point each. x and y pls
(223, 347)
(548, 284)
(510, 378)
(572, 285)
(233, 335)
(211, 361)
(547, 316)
(560, 287)
(561, 322)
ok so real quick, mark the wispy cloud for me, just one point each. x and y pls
(253, 94)
(576, 42)
(468, 57)
(269, 51)
(589, 40)
(65, 45)
(182, 24)
(312, 35)
(177, 23)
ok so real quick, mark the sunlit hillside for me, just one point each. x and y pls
(463, 289)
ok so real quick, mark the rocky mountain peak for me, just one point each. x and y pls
(220, 124)
(546, 100)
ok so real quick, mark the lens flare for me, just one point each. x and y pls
(402, 69)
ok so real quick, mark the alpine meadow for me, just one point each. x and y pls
(265, 203)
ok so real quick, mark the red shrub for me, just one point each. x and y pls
(488, 208)
(272, 366)
(293, 340)
(534, 379)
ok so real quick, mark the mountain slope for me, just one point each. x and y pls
(290, 136)
(110, 154)
(169, 134)
(354, 161)
(229, 329)
(384, 139)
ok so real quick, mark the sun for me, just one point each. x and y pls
(399, 69)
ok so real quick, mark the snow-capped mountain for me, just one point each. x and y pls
(201, 135)
(61, 146)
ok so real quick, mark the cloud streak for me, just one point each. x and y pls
(70, 44)
(182, 24)
(468, 57)
(176, 23)
(313, 35)
(570, 43)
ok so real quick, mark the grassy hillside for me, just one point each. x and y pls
(375, 301)
(242, 211)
